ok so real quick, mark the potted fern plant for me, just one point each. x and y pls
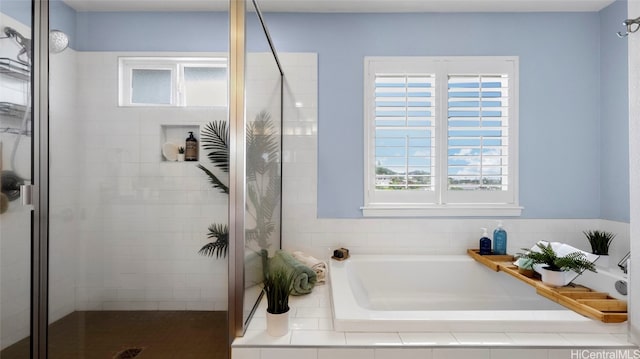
(554, 265)
(277, 287)
(600, 242)
(180, 154)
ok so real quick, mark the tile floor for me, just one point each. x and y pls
(160, 334)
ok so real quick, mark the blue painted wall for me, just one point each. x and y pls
(559, 95)
(573, 130)
(614, 115)
(153, 31)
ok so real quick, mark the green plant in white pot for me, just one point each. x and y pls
(180, 157)
(600, 242)
(554, 266)
(277, 288)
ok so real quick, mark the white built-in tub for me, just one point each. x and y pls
(397, 293)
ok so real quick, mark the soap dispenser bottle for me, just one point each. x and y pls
(499, 240)
(191, 150)
(485, 243)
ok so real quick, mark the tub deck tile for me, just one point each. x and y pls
(428, 339)
(489, 339)
(319, 337)
(588, 340)
(538, 339)
(313, 327)
(373, 339)
(260, 338)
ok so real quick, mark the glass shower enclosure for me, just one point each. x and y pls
(16, 139)
(111, 242)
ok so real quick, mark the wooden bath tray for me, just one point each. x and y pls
(582, 300)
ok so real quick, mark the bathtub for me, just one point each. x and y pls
(420, 293)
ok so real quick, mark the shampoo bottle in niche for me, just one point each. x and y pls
(499, 240)
(191, 151)
(485, 243)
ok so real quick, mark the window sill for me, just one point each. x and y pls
(450, 210)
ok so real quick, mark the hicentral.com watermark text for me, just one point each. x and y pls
(605, 353)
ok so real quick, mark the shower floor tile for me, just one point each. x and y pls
(160, 334)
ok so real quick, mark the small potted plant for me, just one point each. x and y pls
(277, 287)
(180, 154)
(600, 242)
(554, 266)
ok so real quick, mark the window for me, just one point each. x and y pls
(441, 136)
(169, 81)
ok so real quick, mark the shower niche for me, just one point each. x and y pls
(173, 136)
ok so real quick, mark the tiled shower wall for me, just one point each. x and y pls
(141, 219)
(302, 230)
(64, 179)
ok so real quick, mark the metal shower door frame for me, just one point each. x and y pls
(40, 171)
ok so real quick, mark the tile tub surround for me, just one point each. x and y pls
(312, 336)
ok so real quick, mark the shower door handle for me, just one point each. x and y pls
(26, 194)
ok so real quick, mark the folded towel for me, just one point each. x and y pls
(318, 266)
(304, 278)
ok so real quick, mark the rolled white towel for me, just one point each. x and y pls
(318, 266)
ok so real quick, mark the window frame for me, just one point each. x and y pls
(127, 64)
(440, 202)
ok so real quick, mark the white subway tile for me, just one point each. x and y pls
(245, 353)
(588, 339)
(440, 353)
(325, 324)
(372, 339)
(288, 353)
(172, 305)
(428, 339)
(261, 338)
(403, 353)
(519, 353)
(482, 338)
(537, 339)
(346, 354)
(319, 338)
(208, 306)
(563, 353)
(313, 312)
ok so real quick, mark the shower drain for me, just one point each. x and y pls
(128, 353)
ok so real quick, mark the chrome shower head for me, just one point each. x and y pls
(58, 41)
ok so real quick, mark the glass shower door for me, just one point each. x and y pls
(15, 170)
(128, 215)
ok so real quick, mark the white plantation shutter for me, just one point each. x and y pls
(441, 136)
(477, 138)
(404, 132)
